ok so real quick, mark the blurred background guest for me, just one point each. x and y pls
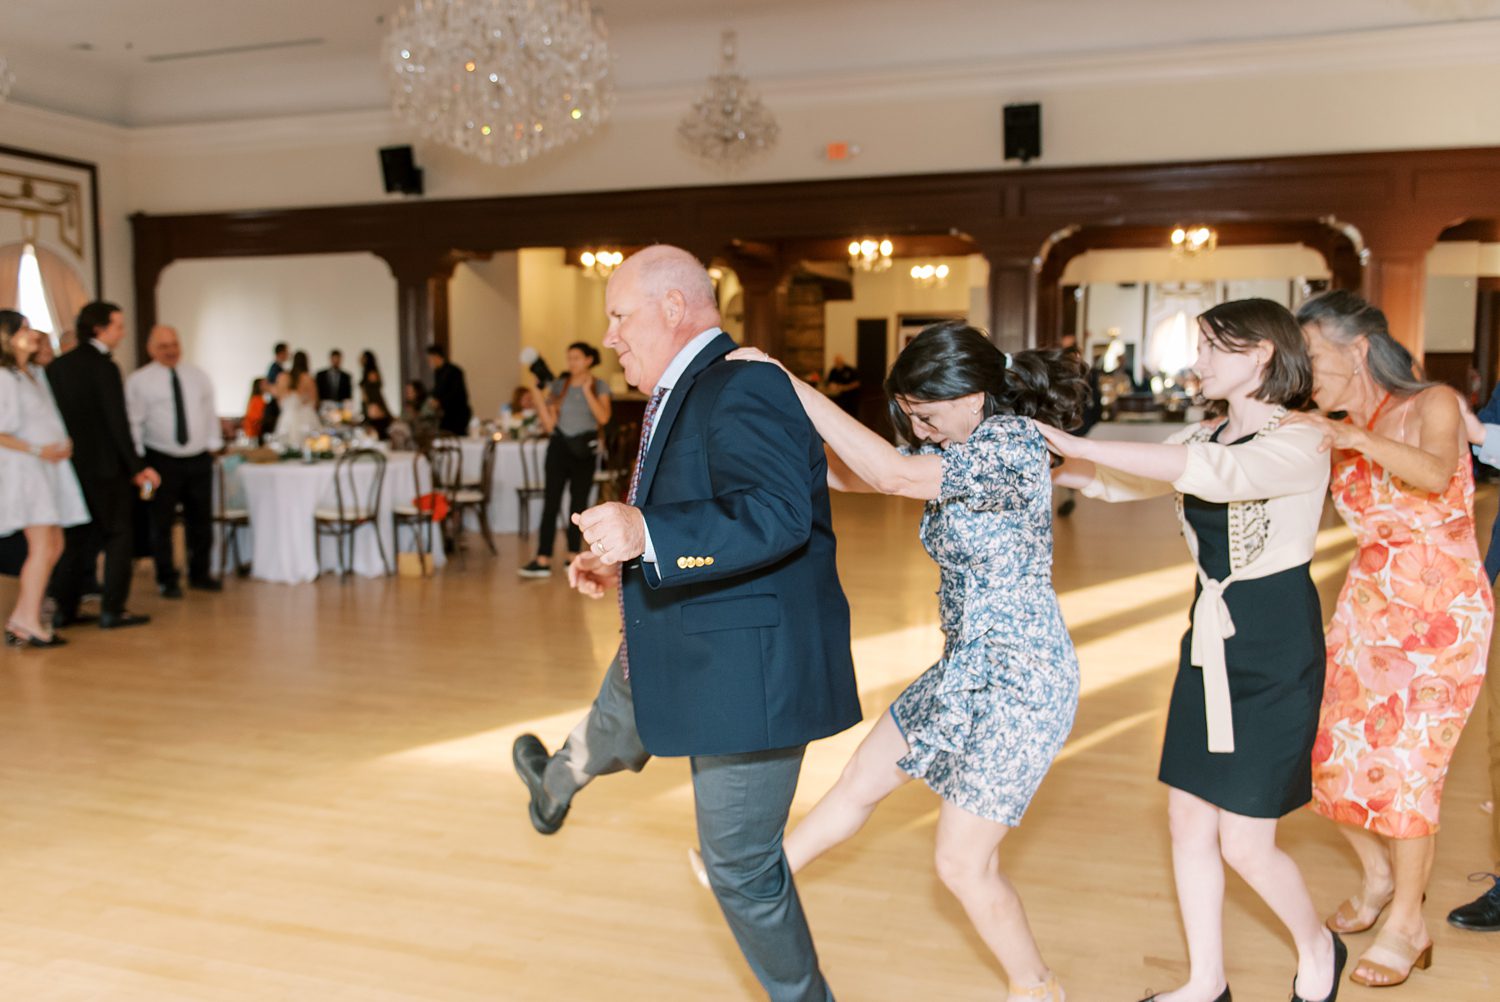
(451, 391)
(91, 397)
(176, 428)
(255, 409)
(370, 385)
(39, 492)
(377, 420)
(297, 407)
(300, 367)
(333, 382)
(280, 354)
(421, 413)
(572, 411)
(843, 386)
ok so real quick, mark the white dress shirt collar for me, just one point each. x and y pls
(684, 358)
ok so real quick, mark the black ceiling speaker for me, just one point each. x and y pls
(400, 171)
(1023, 132)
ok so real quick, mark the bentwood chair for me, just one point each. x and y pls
(475, 496)
(358, 477)
(447, 458)
(416, 515)
(229, 521)
(533, 485)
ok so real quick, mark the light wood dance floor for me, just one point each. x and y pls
(305, 793)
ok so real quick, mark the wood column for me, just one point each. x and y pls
(759, 269)
(1012, 289)
(151, 259)
(421, 307)
(1396, 273)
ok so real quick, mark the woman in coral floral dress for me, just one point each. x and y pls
(1408, 640)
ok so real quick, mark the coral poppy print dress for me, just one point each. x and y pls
(1406, 649)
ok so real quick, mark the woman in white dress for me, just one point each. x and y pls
(39, 493)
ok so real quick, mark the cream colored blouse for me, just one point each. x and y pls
(1275, 485)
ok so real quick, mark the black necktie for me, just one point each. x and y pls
(180, 408)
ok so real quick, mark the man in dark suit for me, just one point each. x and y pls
(91, 397)
(333, 382)
(450, 391)
(736, 631)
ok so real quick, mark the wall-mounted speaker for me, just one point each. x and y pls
(1023, 131)
(400, 171)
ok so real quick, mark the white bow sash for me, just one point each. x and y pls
(1212, 625)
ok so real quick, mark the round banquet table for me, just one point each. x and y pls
(281, 499)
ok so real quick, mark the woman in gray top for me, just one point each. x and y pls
(575, 407)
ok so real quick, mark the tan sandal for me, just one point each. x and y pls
(1390, 961)
(1349, 918)
(1046, 991)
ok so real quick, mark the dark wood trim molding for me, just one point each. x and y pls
(1399, 201)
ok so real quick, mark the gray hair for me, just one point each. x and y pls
(1345, 318)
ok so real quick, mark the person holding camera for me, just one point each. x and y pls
(572, 411)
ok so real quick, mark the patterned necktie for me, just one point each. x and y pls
(180, 408)
(647, 423)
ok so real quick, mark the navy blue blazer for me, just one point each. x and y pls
(739, 633)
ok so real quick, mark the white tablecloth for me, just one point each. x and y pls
(281, 499)
(504, 507)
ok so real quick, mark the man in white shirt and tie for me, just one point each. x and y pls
(176, 427)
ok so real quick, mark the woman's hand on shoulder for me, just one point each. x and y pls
(1336, 434)
(754, 355)
(1065, 444)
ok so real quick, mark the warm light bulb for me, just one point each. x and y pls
(867, 247)
(587, 259)
(942, 271)
(853, 247)
(484, 130)
(577, 113)
(1178, 236)
(469, 66)
(886, 247)
(916, 271)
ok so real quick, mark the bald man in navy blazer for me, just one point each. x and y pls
(736, 630)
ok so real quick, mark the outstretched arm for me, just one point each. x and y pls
(876, 464)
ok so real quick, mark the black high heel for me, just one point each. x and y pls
(1224, 996)
(17, 637)
(1340, 957)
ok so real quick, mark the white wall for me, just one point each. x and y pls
(231, 311)
(561, 304)
(484, 311)
(1228, 263)
(1450, 310)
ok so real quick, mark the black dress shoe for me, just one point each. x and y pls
(1482, 914)
(530, 758)
(173, 590)
(206, 584)
(1340, 957)
(117, 620)
(62, 620)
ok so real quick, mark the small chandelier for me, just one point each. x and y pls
(6, 79)
(728, 125)
(930, 276)
(870, 255)
(1188, 241)
(600, 263)
(501, 80)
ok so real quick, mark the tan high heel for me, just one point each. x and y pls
(1347, 919)
(1391, 960)
(1046, 991)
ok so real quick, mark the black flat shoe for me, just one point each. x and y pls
(1224, 996)
(1340, 957)
(61, 621)
(173, 590)
(530, 758)
(16, 636)
(119, 620)
(1483, 913)
(207, 584)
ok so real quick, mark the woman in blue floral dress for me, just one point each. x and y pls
(981, 726)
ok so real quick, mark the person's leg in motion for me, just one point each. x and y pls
(742, 803)
(1199, 873)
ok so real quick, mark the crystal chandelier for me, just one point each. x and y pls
(601, 263)
(930, 276)
(728, 125)
(1188, 241)
(502, 80)
(870, 255)
(6, 78)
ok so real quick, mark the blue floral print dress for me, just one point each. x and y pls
(985, 722)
